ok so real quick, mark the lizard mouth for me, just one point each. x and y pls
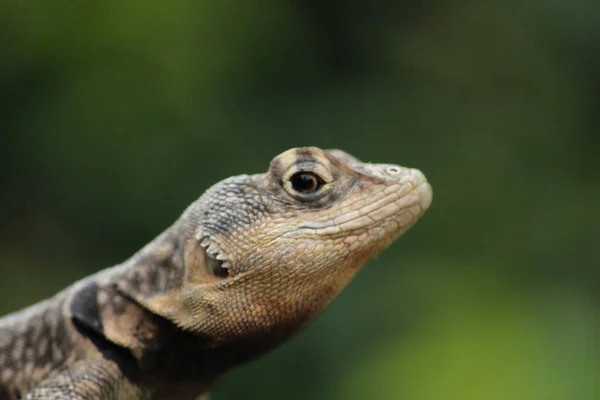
(399, 205)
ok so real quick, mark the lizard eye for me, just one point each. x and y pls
(306, 182)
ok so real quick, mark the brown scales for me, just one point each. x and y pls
(247, 266)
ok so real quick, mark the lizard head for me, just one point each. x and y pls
(267, 252)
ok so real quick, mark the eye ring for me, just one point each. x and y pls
(306, 182)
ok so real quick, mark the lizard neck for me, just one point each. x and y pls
(157, 269)
(191, 362)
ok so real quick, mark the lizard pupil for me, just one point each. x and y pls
(306, 182)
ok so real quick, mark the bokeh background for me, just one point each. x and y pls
(116, 115)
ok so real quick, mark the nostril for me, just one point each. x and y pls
(393, 170)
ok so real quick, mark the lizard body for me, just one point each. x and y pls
(244, 268)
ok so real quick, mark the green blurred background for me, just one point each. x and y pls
(117, 114)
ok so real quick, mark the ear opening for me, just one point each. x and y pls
(202, 267)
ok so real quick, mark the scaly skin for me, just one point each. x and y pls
(246, 266)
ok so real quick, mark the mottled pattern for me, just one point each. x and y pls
(89, 379)
(34, 347)
(245, 268)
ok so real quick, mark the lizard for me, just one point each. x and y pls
(246, 266)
